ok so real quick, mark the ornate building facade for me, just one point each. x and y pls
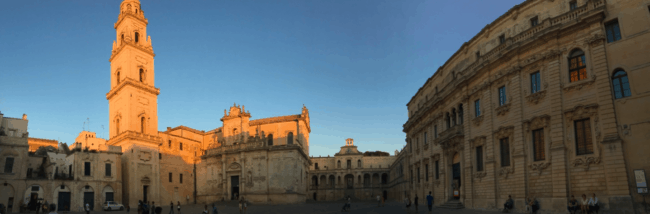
(350, 173)
(544, 102)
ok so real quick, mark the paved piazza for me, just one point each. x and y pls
(309, 207)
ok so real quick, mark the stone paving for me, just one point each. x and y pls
(309, 207)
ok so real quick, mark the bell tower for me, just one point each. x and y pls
(133, 95)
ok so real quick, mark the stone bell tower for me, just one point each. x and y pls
(133, 110)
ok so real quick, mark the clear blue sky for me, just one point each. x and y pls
(354, 64)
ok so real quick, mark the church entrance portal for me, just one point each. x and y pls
(145, 189)
(234, 185)
(455, 168)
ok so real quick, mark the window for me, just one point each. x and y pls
(505, 152)
(142, 125)
(170, 143)
(411, 176)
(359, 163)
(117, 126)
(87, 168)
(180, 179)
(349, 164)
(583, 137)
(425, 138)
(477, 108)
(122, 37)
(9, 165)
(316, 166)
(290, 138)
(141, 75)
(181, 146)
(170, 177)
(118, 77)
(69, 171)
(534, 21)
(159, 155)
(460, 113)
(478, 55)
(621, 84)
(534, 83)
(502, 95)
(577, 66)
(270, 138)
(502, 39)
(36, 188)
(613, 31)
(435, 132)
(426, 172)
(437, 170)
(137, 35)
(338, 164)
(573, 5)
(538, 144)
(453, 117)
(448, 120)
(418, 175)
(479, 158)
(108, 170)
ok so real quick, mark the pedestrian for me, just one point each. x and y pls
(214, 209)
(416, 202)
(245, 204)
(593, 203)
(346, 205)
(87, 208)
(145, 207)
(140, 207)
(205, 210)
(584, 206)
(179, 206)
(171, 207)
(52, 209)
(241, 206)
(153, 207)
(38, 206)
(158, 210)
(407, 202)
(378, 201)
(508, 205)
(128, 208)
(429, 201)
(383, 201)
(573, 205)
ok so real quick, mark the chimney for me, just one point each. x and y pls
(24, 116)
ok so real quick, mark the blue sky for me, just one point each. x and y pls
(354, 64)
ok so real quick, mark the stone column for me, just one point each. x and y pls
(224, 181)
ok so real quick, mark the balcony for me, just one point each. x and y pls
(132, 135)
(63, 176)
(450, 133)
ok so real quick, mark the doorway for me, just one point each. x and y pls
(234, 187)
(455, 172)
(314, 196)
(145, 190)
(385, 195)
(64, 201)
(33, 201)
(89, 198)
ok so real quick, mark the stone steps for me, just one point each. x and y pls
(452, 205)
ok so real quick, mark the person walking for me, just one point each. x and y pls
(407, 202)
(153, 207)
(205, 210)
(378, 201)
(241, 205)
(245, 204)
(38, 206)
(139, 207)
(87, 208)
(416, 202)
(145, 207)
(128, 208)
(171, 207)
(179, 206)
(430, 202)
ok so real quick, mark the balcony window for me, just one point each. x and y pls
(108, 170)
(502, 95)
(477, 108)
(534, 83)
(577, 66)
(573, 5)
(479, 158)
(583, 137)
(87, 168)
(534, 21)
(502, 39)
(538, 145)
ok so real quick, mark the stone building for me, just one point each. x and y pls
(547, 101)
(350, 173)
(66, 178)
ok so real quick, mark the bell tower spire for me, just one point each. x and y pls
(133, 96)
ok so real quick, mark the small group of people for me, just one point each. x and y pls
(214, 209)
(347, 205)
(171, 207)
(585, 205)
(380, 201)
(407, 202)
(147, 207)
(243, 203)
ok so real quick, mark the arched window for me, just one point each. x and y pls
(447, 120)
(460, 113)
(141, 75)
(117, 126)
(270, 139)
(621, 84)
(359, 163)
(290, 138)
(577, 66)
(142, 125)
(137, 35)
(338, 164)
(122, 37)
(118, 77)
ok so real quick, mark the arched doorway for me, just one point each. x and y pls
(62, 198)
(455, 173)
(7, 196)
(88, 194)
(385, 195)
(108, 193)
(33, 193)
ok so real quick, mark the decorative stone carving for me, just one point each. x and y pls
(437, 182)
(585, 161)
(504, 171)
(435, 157)
(539, 166)
(595, 39)
(144, 156)
(581, 112)
(554, 54)
(503, 132)
(477, 120)
(502, 110)
(453, 145)
(537, 122)
(479, 175)
(580, 84)
(536, 97)
(477, 141)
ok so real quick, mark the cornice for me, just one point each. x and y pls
(134, 83)
(122, 16)
(124, 44)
